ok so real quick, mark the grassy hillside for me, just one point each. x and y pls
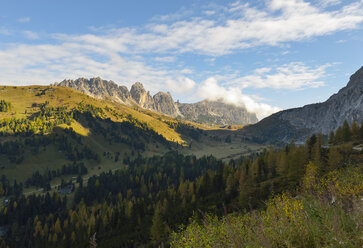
(26, 101)
(45, 127)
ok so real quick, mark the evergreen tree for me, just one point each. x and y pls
(331, 140)
(335, 158)
(355, 132)
(157, 230)
(347, 134)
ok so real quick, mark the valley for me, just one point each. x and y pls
(181, 124)
(133, 176)
(95, 132)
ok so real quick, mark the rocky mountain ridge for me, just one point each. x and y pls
(298, 123)
(207, 112)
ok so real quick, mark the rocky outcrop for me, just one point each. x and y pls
(101, 89)
(165, 104)
(347, 104)
(141, 97)
(216, 113)
(207, 112)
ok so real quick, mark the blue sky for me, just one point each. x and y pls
(266, 54)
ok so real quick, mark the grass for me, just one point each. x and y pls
(77, 127)
(23, 98)
(50, 158)
(25, 101)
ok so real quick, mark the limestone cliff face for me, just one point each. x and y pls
(165, 104)
(101, 89)
(207, 112)
(298, 123)
(141, 97)
(347, 104)
(217, 113)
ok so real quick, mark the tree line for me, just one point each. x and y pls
(43, 180)
(5, 106)
(149, 198)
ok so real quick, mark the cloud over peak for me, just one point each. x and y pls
(211, 90)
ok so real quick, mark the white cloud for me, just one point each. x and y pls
(209, 12)
(326, 3)
(181, 84)
(210, 89)
(182, 13)
(293, 76)
(4, 31)
(279, 22)
(113, 53)
(24, 19)
(166, 59)
(44, 64)
(31, 35)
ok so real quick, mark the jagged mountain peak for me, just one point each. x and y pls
(99, 88)
(356, 80)
(162, 94)
(141, 97)
(138, 87)
(164, 103)
(323, 117)
(207, 111)
(216, 112)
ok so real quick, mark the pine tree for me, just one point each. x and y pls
(347, 134)
(57, 226)
(38, 227)
(55, 238)
(73, 236)
(157, 230)
(331, 140)
(334, 158)
(339, 135)
(355, 131)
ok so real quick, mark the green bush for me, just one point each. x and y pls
(328, 216)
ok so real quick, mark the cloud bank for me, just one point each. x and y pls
(293, 76)
(210, 89)
(242, 26)
(120, 54)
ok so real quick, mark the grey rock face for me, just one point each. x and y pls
(347, 104)
(207, 112)
(165, 104)
(217, 113)
(141, 97)
(101, 89)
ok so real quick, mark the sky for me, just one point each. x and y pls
(266, 55)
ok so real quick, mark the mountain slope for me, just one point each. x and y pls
(27, 101)
(297, 123)
(206, 112)
(45, 127)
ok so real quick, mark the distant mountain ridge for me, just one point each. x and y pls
(207, 112)
(216, 112)
(298, 123)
